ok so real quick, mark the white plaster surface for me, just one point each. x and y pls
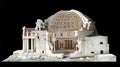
(89, 46)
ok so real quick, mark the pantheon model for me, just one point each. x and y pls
(68, 35)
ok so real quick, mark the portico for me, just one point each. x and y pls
(29, 44)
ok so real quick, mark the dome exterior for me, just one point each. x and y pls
(67, 20)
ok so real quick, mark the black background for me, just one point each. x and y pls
(16, 14)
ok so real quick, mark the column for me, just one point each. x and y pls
(32, 45)
(23, 45)
(27, 43)
(37, 48)
(54, 47)
(81, 47)
(71, 44)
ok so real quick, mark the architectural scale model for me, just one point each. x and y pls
(68, 35)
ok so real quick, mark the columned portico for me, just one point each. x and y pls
(27, 46)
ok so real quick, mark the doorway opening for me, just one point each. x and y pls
(101, 52)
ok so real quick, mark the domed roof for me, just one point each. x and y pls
(83, 17)
(66, 18)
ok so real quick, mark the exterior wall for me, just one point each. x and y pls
(96, 45)
(42, 42)
(81, 40)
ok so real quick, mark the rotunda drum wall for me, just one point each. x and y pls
(65, 21)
